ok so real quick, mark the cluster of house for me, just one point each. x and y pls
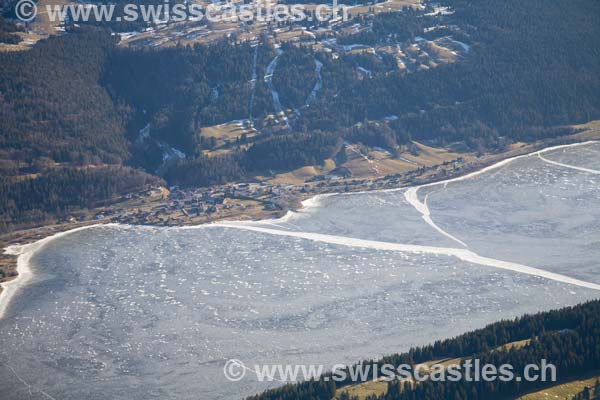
(159, 205)
(206, 201)
(437, 172)
(191, 203)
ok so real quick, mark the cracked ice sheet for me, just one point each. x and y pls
(383, 216)
(585, 156)
(138, 313)
(528, 211)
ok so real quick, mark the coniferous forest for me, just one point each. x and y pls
(8, 32)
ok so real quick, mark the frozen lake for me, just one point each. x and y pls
(140, 313)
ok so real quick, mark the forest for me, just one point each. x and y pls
(295, 77)
(8, 32)
(531, 69)
(569, 338)
(62, 191)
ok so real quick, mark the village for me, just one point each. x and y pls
(174, 206)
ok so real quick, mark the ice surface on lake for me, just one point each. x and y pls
(586, 156)
(530, 212)
(141, 313)
(383, 216)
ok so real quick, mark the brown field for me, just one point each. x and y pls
(38, 29)
(301, 175)
(442, 54)
(562, 391)
(430, 156)
(592, 131)
(226, 134)
(364, 390)
(377, 164)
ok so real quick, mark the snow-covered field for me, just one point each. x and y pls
(139, 313)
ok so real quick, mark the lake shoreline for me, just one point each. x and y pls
(16, 244)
